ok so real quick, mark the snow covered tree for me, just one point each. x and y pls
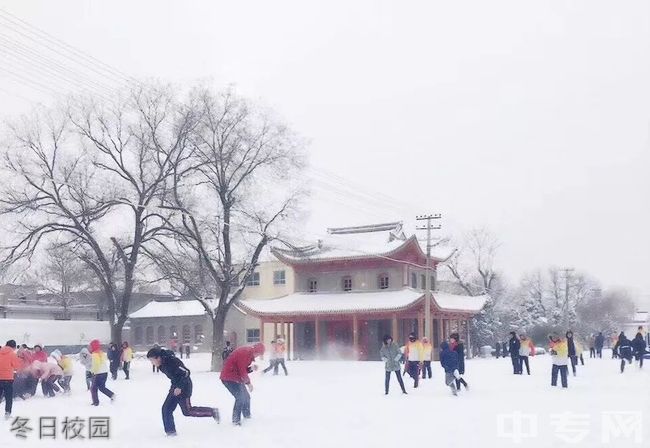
(229, 192)
(88, 176)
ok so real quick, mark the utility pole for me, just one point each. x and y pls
(567, 272)
(427, 281)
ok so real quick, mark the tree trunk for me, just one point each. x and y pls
(116, 331)
(218, 326)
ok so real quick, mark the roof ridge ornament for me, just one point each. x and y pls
(368, 228)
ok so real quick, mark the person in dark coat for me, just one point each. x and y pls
(114, 356)
(449, 362)
(624, 349)
(573, 357)
(639, 345)
(513, 348)
(497, 350)
(234, 376)
(180, 391)
(226, 351)
(600, 342)
(504, 349)
(457, 345)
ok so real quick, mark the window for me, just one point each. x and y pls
(383, 281)
(149, 335)
(414, 280)
(279, 278)
(423, 281)
(162, 339)
(138, 335)
(254, 279)
(347, 283)
(187, 334)
(312, 285)
(198, 334)
(173, 333)
(252, 335)
(433, 283)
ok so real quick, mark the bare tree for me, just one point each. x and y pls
(90, 177)
(472, 266)
(229, 193)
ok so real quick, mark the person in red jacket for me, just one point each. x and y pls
(234, 376)
(9, 362)
(39, 354)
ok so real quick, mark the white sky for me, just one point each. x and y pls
(531, 118)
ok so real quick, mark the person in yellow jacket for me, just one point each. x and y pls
(427, 352)
(127, 357)
(414, 354)
(66, 364)
(560, 357)
(99, 370)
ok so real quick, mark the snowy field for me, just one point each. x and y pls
(342, 404)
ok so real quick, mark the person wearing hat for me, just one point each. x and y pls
(560, 359)
(234, 376)
(513, 349)
(414, 354)
(99, 369)
(427, 351)
(9, 363)
(180, 391)
(391, 355)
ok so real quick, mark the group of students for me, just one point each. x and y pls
(120, 357)
(627, 350)
(22, 368)
(417, 356)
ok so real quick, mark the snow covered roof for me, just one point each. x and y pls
(357, 302)
(357, 242)
(641, 316)
(174, 308)
(459, 303)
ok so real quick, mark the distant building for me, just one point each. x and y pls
(29, 302)
(354, 287)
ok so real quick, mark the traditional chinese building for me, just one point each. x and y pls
(353, 287)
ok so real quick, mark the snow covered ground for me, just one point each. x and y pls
(342, 404)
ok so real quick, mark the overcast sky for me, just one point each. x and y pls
(531, 118)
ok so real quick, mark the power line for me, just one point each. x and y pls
(50, 74)
(46, 38)
(34, 57)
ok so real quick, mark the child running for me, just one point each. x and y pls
(234, 376)
(180, 391)
(99, 369)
